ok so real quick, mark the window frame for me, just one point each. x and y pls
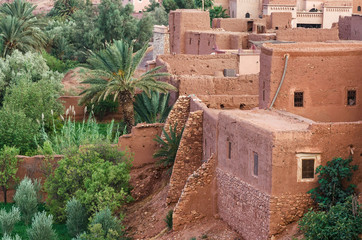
(294, 96)
(355, 97)
(307, 156)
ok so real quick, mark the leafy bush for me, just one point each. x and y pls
(9, 219)
(107, 221)
(26, 199)
(168, 219)
(8, 168)
(77, 218)
(153, 108)
(41, 227)
(97, 176)
(342, 221)
(58, 65)
(331, 179)
(169, 146)
(103, 107)
(8, 237)
(96, 232)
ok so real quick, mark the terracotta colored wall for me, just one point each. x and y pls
(198, 198)
(140, 142)
(350, 28)
(308, 35)
(249, 62)
(281, 20)
(239, 41)
(188, 157)
(231, 24)
(323, 76)
(183, 20)
(28, 166)
(357, 3)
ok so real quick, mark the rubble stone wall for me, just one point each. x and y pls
(198, 198)
(188, 157)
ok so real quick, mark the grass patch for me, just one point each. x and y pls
(20, 228)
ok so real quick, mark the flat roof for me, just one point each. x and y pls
(332, 46)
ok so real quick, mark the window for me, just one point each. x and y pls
(359, 8)
(229, 151)
(351, 97)
(306, 165)
(256, 163)
(298, 99)
(247, 15)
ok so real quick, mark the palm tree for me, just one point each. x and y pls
(113, 74)
(20, 29)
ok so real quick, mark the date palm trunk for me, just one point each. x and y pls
(5, 193)
(126, 101)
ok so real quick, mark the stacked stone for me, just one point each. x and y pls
(197, 200)
(286, 209)
(188, 157)
(178, 114)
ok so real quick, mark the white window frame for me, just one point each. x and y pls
(317, 161)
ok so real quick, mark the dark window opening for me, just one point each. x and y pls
(308, 25)
(242, 106)
(250, 26)
(222, 106)
(247, 15)
(229, 151)
(256, 163)
(298, 99)
(307, 168)
(263, 95)
(351, 97)
(190, 41)
(359, 8)
(276, 28)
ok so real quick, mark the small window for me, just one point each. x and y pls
(307, 168)
(359, 8)
(247, 15)
(229, 151)
(256, 163)
(351, 97)
(263, 95)
(298, 99)
(190, 41)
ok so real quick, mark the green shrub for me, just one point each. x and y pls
(58, 65)
(8, 237)
(77, 218)
(41, 227)
(168, 219)
(8, 167)
(107, 221)
(96, 232)
(96, 182)
(9, 219)
(167, 153)
(26, 199)
(342, 221)
(331, 179)
(103, 107)
(153, 108)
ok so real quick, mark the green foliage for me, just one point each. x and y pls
(8, 167)
(9, 219)
(168, 219)
(342, 221)
(159, 15)
(65, 8)
(77, 218)
(58, 65)
(207, 4)
(167, 153)
(152, 6)
(107, 221)
(113, 74)
(8, 237)
(96, 232)
(97, 175)
(20, 29)
(103, 107)
(169, 5)
(26, 199)
(217, 12)
(41, 227)
(331, 179)
(153, 108)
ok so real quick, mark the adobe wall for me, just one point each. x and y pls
(182, 20)
(197, 64)
(356, 4)
(239, 41)
(281, 20)
(188, 157)
(198, 198)
(141, 143)
(243, 200)
(30, 167)
(307, 35)
(231, 24)
(244, 102)
(72, 103)
(323, 71)
(249, 62)
(350, 28)
(356, 27)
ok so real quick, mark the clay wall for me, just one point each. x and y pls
(182, 20)
(188, 157)
(239, 41)
(243, 102)
(30, 167)
(307, 35)
(322, 71)
(223, 3)
(71, 102)
(356, 27)
(249, 62)
(141, 143)
(332, 14)
(356, 4)
(231, 24)
(344, 27)
(281, 20)
(197, 64)
(288, 2)
(198, 198)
